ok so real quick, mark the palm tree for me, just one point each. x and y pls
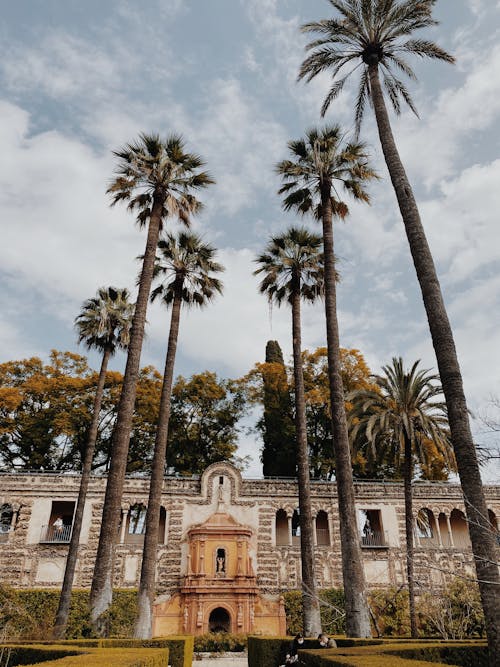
(373, 37)
(103, 325)
(396, 422)
(319, 163)
(292, 265)
(186, 265)
(157, 179)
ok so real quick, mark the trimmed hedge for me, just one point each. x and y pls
(270, 651)
(220, 642)
(180, 647)
(61, 656)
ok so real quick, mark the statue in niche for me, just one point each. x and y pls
(220, 561)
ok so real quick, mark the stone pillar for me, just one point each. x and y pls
(124, 525)
(202, 557)
(438, 530)
(289, 518)
(450, 533)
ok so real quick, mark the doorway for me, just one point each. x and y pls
(219, 620)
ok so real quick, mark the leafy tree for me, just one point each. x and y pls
(204, 422)
(395, 422)
(103, 325)
(186, 267)
(373, 38)
(157, 178)
(41, 406)
(355, 375)
(319, 163)
(277, 424)
(292, 266)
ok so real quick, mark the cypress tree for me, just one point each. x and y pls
(277, 423)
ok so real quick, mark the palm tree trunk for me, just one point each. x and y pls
(408, 478)
(144, 622)
(101, 592)
(482, 539)
(69, 573)
(310, 604)
(357, 615)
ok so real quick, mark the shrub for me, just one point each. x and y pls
(219, 642)
(390, 612)
(455, 614)
(332, 611)
(52, 656)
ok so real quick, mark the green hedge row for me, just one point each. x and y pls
(62, 656)
(180, 648)
(30, 614)
(270, 651)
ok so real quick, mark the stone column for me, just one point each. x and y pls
(438, 530)
(450, 533)
(124, 525)
(289, 518)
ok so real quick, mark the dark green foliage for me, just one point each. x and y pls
(461, 656)
(219, 642)
(30, 614)
(180, 649)
(332, 611)
(11, 656)
(277, 423)
(203, 425)
(269, 651)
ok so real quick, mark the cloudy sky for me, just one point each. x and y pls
(80, 79)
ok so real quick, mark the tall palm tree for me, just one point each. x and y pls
(319, 163)
(373, 37)
(104, 325)
(186, 266)
(292, 265)
(396, 422)
(157, 178)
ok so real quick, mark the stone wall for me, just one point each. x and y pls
(27, 561)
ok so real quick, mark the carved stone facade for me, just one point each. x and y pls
(227, 538)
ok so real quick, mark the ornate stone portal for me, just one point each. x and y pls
(219, 591)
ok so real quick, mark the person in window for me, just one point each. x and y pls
(58, 526)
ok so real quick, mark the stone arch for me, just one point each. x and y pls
(425, 526)
(227, 472)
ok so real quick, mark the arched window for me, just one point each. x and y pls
(6, 514)
(322, 530)
(295, 528)
(220, 562)
(425, 525)
(282, 538)
(459, 529)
